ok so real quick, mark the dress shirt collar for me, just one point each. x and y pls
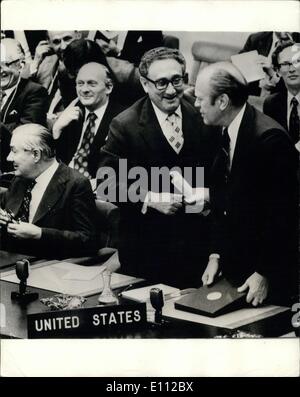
(7, 94)
(45, 177)
(98, 112)
(233, 129)
(291, 96)
(162, 117)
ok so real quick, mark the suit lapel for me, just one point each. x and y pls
(151, 131)
(16, 198)
(10, 103)
(52, 194)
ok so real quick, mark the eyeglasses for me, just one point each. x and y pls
(8, 64)
(285, 66)
(162, 84)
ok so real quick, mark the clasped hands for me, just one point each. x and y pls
(20, 230)
(256, 284)
(170, 203)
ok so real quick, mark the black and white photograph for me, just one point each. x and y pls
(149, 189)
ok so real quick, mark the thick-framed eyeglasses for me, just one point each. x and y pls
(285, 66)
(162, 84)
(9, 64)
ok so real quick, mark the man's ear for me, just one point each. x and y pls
(37, 155)
(223, 101)
(144, 83)
(109, 86)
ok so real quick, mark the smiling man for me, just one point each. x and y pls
(53, 205)
(22, 101)
(158, 239)
(253, 191)
(284, 107)
(83, 126)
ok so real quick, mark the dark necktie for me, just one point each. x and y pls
(23, 213)
(226, 153)
(294, 124)
(81, 156)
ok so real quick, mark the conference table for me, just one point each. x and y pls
(14, 325)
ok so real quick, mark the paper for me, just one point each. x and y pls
(181, 185)
(65, 278)
(247, 63)
(231, 320)
(143, 294)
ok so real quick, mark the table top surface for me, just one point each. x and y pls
(14, 321)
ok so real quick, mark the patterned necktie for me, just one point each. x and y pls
(294, 124)
(80, 158)
(175, 137)
(226, 153)
(2, 96)
(23, 213)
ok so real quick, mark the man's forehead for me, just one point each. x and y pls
(59, 34)
(9, 52)
(91, 72)
(290, 53)
(165, 67)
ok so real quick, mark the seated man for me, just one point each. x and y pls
(22, 101)
(53, 205)
(284, 106)
(82, 128)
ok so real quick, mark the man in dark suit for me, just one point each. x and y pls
(253, 191)
(159, 240)
(22, 101)
(284, 106)
(265, 43)
(94, 86)
(53, 205)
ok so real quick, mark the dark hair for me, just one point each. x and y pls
(222, 82)
(82, 51)
(280, 47)
(160, 53)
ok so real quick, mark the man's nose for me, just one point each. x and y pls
(63, 45)
(10, 157)
(170, 89)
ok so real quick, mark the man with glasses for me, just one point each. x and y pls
(284, 106)
(159, 240)
(22, 101)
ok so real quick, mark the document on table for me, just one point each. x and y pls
(69, 278)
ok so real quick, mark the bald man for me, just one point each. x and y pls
(253, 191)
(22, 101)
(92, 113)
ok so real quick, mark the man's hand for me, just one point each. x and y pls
(24, 230)
(71, 113)
(4, 218)
(258, 289)
(166, 203)
(210, 271)
(198, 202)
(42, 50)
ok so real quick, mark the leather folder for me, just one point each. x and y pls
(212, 301)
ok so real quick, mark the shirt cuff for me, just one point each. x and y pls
(214, 256)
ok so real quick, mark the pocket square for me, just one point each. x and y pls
(13, 112)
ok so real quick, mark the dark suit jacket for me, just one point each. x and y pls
(70, 137)
(66, 214)
(28, 104)
(156, 246)
(259, 231)
(275, 106)
(262, 42)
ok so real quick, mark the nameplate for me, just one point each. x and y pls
(86, 322)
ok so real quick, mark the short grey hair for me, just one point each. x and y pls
(37, 137)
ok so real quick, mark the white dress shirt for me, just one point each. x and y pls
(42, 182)
(165, 124)
(99, 113)
(233, 130)
(289, 106)
(166, 130)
